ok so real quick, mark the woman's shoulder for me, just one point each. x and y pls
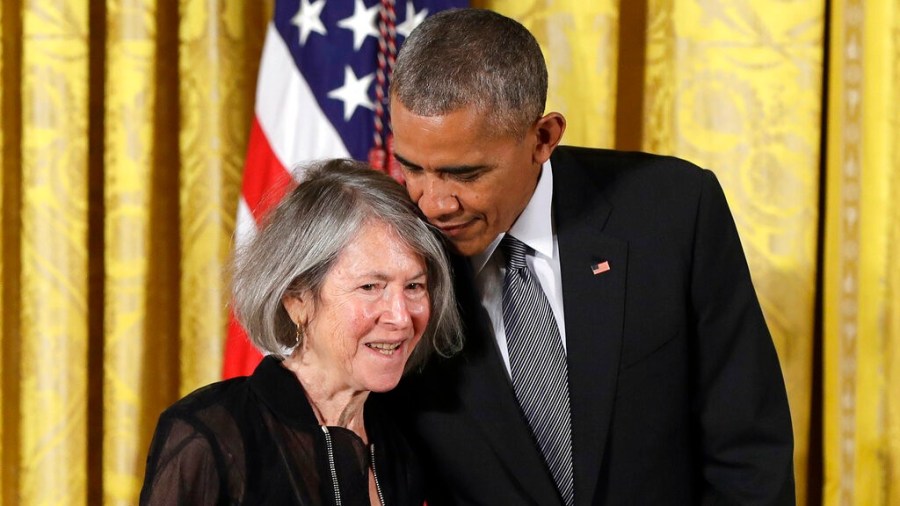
(197, 449)
(210, 420)
(215, 394)
(214, 409)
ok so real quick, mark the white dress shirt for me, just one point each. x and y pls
(535, 228)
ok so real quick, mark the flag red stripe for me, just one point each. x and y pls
(265, 179)
(265, 182)
(240, 356)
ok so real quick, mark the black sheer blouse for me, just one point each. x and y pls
(255, 440)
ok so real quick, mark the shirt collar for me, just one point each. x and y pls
(534, 226)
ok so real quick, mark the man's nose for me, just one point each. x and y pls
(437, 199)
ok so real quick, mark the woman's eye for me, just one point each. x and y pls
(415, 286)
(369, 287)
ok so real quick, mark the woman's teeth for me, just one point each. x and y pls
(384, 348)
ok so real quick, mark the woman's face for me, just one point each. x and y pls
(371, 313)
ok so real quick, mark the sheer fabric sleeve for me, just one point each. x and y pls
(182, 467)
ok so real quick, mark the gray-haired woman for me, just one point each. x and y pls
(345, 288)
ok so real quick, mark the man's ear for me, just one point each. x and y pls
(549, 130)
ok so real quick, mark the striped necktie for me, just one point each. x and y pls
(538, 365)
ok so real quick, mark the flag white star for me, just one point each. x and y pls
(308, 19)
(362, 22)
(354, 93)
(412, 20)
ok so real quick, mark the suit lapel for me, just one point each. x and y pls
(488, 396)
(594, 307)
(594, 314)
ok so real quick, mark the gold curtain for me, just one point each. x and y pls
(4, 286)
(580, 43)
(736, 87)
(53, 337)
(862, 243)
(123, 131)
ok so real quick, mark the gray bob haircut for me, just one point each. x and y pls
(473, 57)
(303, 236)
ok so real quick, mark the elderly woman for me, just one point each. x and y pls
(345, 289)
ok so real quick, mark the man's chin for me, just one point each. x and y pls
(465, 247)
(466, 240)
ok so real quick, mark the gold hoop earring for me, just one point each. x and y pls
(299, 335)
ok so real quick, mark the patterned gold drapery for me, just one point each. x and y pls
(54, 216)
(580, 43)
(132, 52)
(862, 280)
(131, 120)
(3, 321)
(123, 131)
(736, 89)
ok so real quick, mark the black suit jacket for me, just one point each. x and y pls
(676, 391)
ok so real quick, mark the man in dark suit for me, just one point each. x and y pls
(670, 390)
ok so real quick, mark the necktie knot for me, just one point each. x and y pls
(514, 250)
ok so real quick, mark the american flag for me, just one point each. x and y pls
(600, 268)
(320, 93)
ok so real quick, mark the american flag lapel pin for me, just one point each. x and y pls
(600, 268)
